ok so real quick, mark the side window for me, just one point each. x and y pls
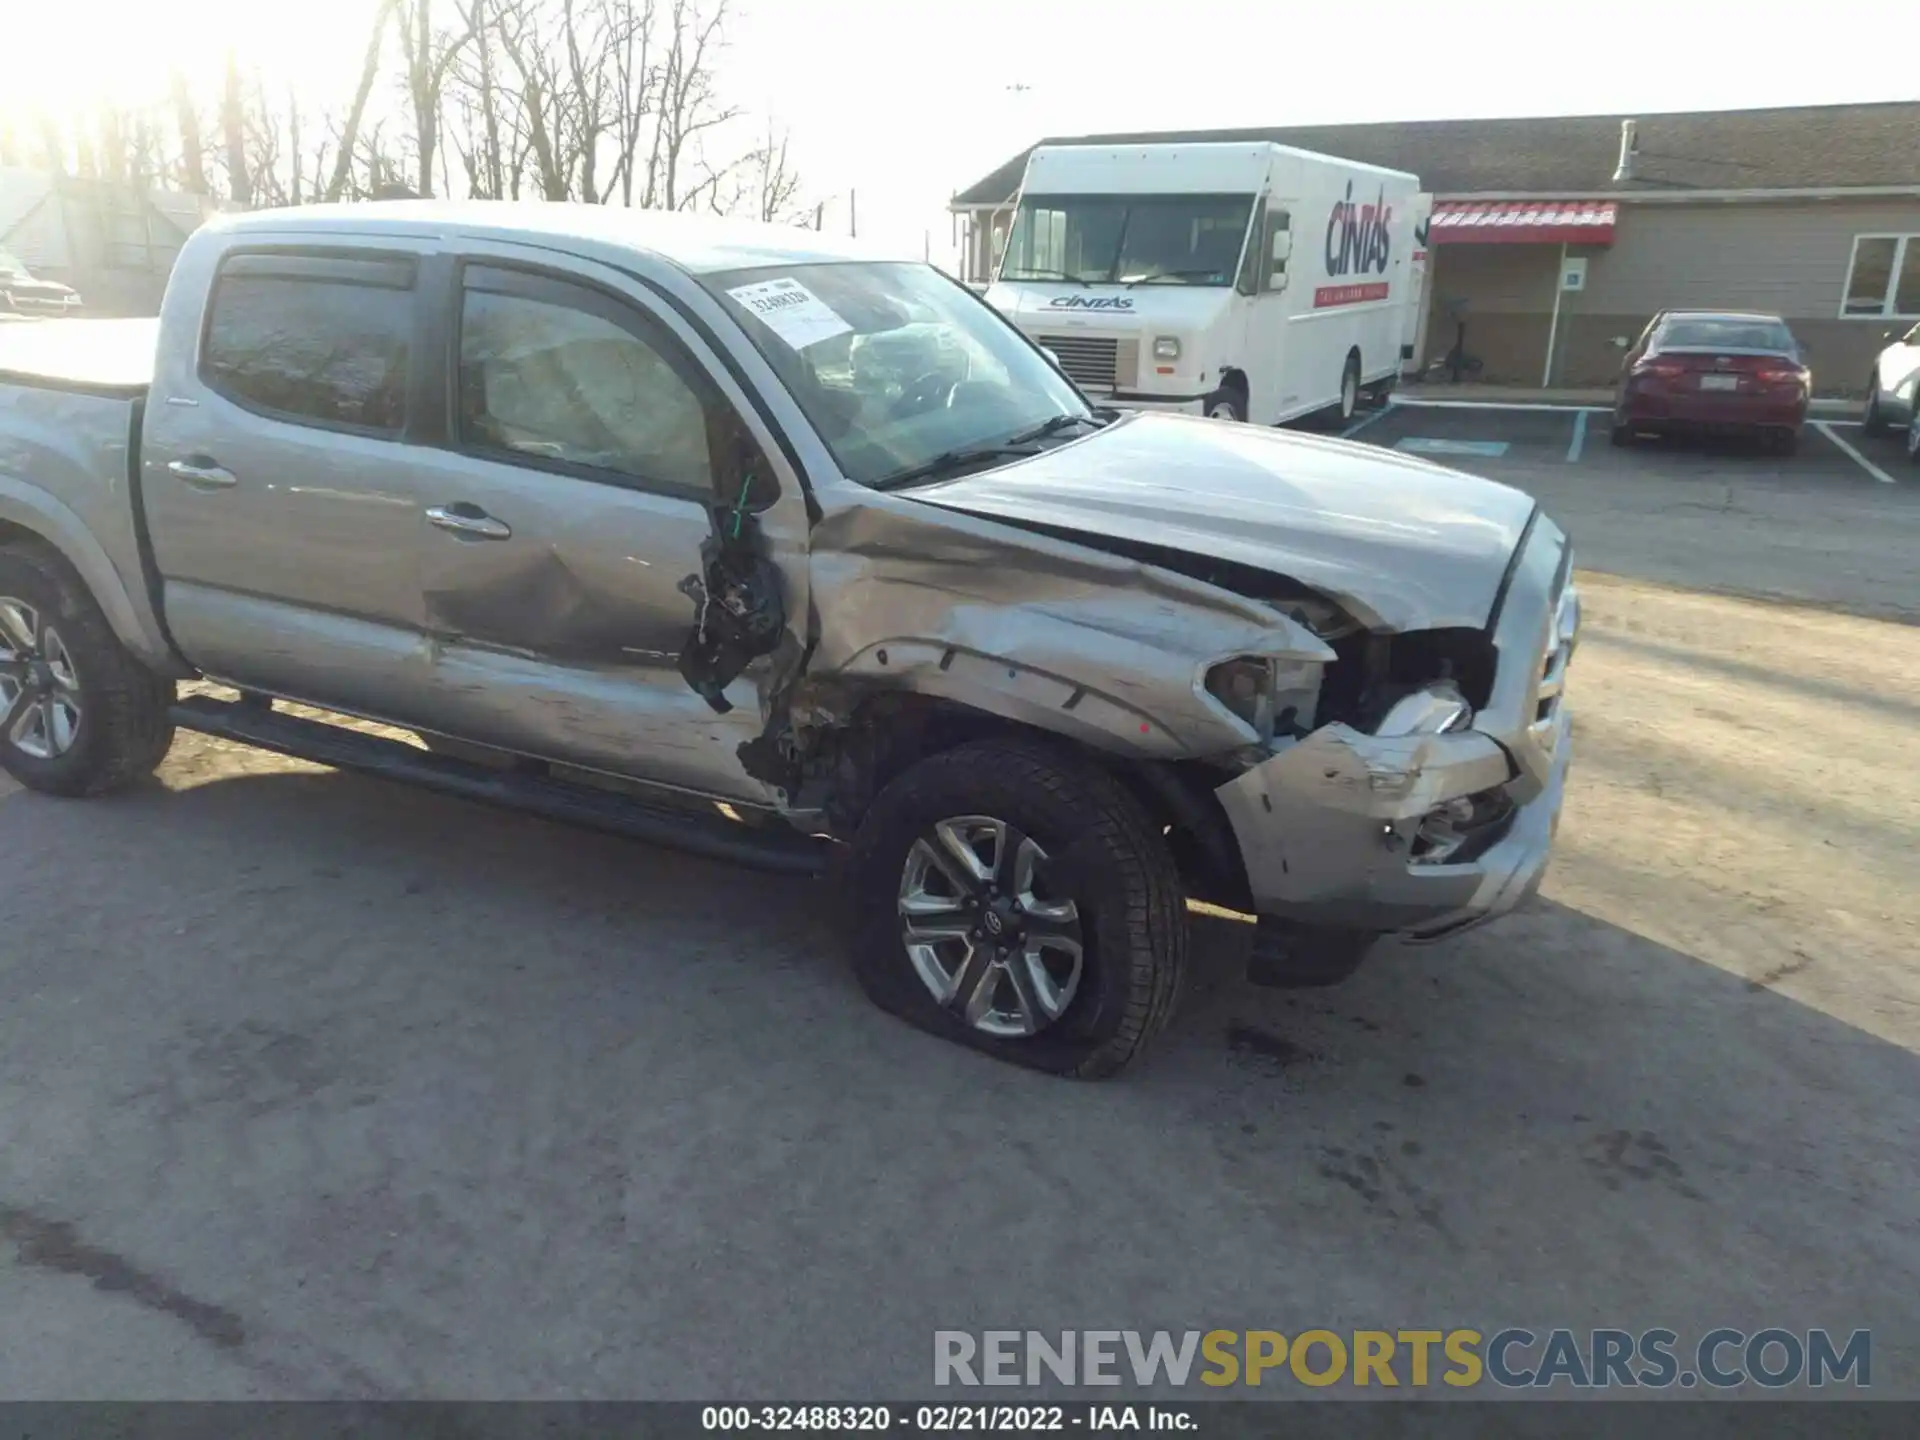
(567, 377)
(313, 341)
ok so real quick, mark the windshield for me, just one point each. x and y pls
(895, 364)
(1128, 239)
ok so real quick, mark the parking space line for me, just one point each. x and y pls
(1426, 404)
(1579, 440)
(1359, 425)
(1825, 427)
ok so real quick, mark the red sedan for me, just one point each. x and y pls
(1717, 373)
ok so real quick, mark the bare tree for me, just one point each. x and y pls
(369, 72)
(430, 55)
(233, 126)
(776, 188)
(687, 103)
(186, 118)
(630, 57)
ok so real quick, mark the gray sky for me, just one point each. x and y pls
(906, 101)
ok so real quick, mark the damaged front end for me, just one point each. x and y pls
(1443, 814)
(1305, 766)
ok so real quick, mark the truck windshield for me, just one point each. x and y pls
(898, 367)
(1128, 239)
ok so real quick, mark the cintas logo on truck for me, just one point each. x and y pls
(1358, 243)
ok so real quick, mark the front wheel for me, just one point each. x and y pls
(1913, 436)
(1013, 897)
(78, 714)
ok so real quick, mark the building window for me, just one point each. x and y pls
(1884, 278)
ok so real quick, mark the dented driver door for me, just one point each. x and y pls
(591, 442)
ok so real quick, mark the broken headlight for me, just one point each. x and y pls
(1246, 687)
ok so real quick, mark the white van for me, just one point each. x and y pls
(1243, 281)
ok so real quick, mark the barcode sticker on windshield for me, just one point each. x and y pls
(792, 311)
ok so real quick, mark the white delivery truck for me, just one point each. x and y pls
(1247, 281)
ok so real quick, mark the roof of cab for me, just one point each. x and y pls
(694, 243)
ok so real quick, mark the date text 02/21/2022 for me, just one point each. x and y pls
(947, 1419)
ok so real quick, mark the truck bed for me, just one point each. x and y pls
(110, 357)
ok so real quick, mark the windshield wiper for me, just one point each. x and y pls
(1017, 446)
(1049, 275)
(1172, 275)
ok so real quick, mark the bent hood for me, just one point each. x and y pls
(1400, 543)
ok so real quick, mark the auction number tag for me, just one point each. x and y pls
(791, 311)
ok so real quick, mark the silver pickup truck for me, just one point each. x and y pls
(751, 542)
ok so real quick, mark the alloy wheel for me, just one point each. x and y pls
(40, 709)
(986, 931)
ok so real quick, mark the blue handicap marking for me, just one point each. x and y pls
(1423, 445)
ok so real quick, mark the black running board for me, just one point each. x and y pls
(774, 847)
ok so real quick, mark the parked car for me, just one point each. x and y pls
(565, 491)
(22, 294)
(1714, 372)
(1892, 389)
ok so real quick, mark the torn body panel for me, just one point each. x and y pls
(1091, 646)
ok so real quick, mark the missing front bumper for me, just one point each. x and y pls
(1325, 828)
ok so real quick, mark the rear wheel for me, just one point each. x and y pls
(79, 715)
(1013, 897)
(1621, 435)
(1349, 403)
(1913, 436)
(1782, 441)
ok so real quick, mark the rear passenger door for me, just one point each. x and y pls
(587, 445)
(275, 477)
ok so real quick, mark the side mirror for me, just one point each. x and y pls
(1053, 359)
(1282, 248)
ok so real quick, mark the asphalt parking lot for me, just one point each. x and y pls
(313, 1086)
(1836, 524)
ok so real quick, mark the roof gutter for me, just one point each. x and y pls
(1687, 197)
(1633, 197)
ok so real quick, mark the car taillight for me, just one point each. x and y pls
(1661, 369)
(1782, 375)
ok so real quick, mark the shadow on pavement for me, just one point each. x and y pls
(438, 1100)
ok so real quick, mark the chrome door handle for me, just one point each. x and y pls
(202, 474)
(469, 520)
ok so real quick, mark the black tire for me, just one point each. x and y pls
(1913, 436)
(1225, 404)
(1620, 435)
(1340, 414)
(1299, 956)
(1781, 442)
(1106, 856)
(124, 731)
(1873, 420)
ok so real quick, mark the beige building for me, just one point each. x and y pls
(1553, 241)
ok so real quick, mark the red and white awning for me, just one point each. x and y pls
(1523, 222)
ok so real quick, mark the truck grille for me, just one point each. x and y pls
(1097, 362)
